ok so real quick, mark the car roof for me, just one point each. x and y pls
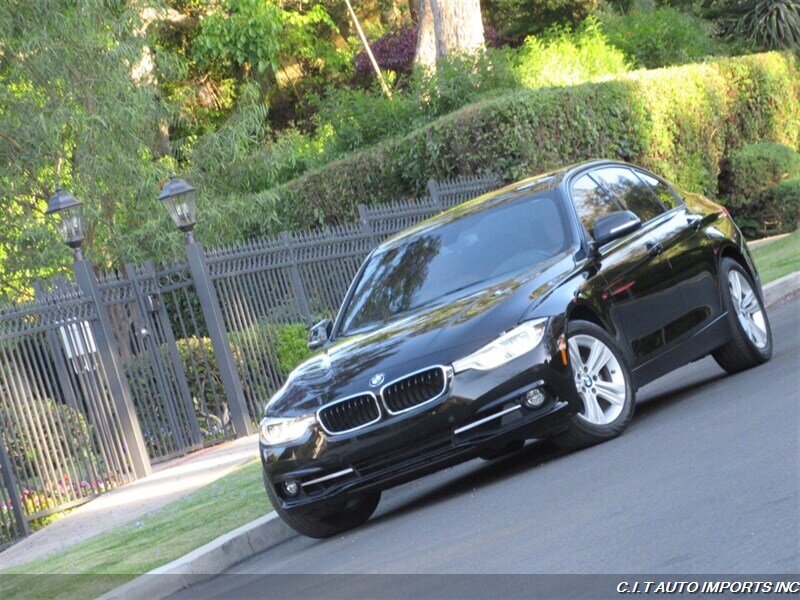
(525, 188)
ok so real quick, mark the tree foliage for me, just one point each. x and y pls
(261, 35)
(106, 97)
(74, 111)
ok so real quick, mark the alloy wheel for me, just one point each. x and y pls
(599, 379)
(748, 309)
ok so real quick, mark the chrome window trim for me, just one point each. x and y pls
(346, 398)
(447, 372)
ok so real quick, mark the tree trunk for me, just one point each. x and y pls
(426, 38)
(457, 26)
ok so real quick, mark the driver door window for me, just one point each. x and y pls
(592, 201)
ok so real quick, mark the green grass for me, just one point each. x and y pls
(112, 558)
(778, 258)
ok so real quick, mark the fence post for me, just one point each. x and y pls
(297, 280)
(363, 216)
(115, 374)
(13, 492)
(433, 193)
(212, 314)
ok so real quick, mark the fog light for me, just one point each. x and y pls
(290, 487)
(534, 398)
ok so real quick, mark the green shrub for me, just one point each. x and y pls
(786, 201)
(776, 210)
(257, 351)
(679, 122)
(54, 454)
(561, 57)
(291, 346)
(761, 185)
(461, 80)
(757, 168)
(661, 37)
(519, 18)
(350, 119)
(71, 443)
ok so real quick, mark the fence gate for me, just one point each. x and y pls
(179, 329)
(155, 374)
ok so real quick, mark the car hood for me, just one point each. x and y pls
(433, 335)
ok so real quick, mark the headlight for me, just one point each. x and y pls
(508, 346)
(281, 430)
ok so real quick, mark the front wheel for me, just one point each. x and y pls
(604, 384)
(345, 515)
(751, 336)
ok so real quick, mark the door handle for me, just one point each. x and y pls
(654, 248)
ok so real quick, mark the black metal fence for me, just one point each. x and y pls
(102, 377)
(60, 420)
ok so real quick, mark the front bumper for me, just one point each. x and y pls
(452, 429)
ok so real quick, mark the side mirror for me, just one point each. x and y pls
(613, 226)
(319, 334)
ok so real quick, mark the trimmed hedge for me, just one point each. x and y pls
(679, 122)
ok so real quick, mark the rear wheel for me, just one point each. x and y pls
(340, 517)
(751, 341)
(604, 384)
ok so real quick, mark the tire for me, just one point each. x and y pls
(751, 336)
(493, 453)
(348, 514)
(611, 393)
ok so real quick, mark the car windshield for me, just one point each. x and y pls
(454, 256)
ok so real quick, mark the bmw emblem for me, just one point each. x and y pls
(376, 380)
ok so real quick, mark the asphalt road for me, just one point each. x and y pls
(705, 480)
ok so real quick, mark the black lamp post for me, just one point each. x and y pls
(179, 198)
(67, 212)
(67, 215)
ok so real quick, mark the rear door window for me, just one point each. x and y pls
(666, 195)
(633, 192)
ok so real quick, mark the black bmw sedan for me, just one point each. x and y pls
(535, 311)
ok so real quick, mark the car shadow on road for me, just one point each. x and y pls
(532, 455)
(537, 453)
(666, 398)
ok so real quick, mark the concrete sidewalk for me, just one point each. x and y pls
(168, 482)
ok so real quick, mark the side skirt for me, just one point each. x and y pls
(708, 339)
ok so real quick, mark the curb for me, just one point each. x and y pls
(206, 562)
(780, 288)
